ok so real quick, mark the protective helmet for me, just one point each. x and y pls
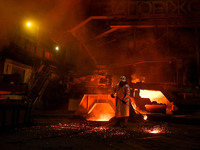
(123, 78)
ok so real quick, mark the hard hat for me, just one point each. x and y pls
(123, 78)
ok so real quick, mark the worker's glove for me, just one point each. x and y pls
(112, 95)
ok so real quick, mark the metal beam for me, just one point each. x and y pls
(87, 21)
(107, 32)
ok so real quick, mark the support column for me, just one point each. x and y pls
(197, 53)
(134, 39)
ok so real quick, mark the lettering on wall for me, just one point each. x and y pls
(153, 7)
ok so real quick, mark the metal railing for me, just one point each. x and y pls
(38, 84)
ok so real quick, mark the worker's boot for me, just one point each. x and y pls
(117, 123)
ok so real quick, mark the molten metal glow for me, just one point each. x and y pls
(104, 117)
(135, 80)
(153, 96)
(101, 112)
(97, 107)
(158, 97)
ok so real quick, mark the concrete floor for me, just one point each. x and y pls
(64, 131)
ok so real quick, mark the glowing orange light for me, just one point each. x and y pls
(28, 24)
(105, 117)
(97, 107)
(155, 131)
(57, 48)
(31, 27)
(153, 96)
(145, 117)
(101, 112)
(157, 96)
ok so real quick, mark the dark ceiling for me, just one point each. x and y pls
(109, 32)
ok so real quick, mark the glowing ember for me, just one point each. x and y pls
(156, 130)
(153, 96)
(101, 128)
(104, 117)
(145, 117)
(135, 79)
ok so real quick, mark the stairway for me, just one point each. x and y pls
(18, 101)
(38, 84)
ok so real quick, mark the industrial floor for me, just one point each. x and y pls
(52, 131)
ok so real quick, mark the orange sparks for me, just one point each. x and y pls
(156, 129)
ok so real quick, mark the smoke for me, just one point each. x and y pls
(118, 48)
(52, 16)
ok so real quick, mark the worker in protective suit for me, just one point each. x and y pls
(122, 91)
